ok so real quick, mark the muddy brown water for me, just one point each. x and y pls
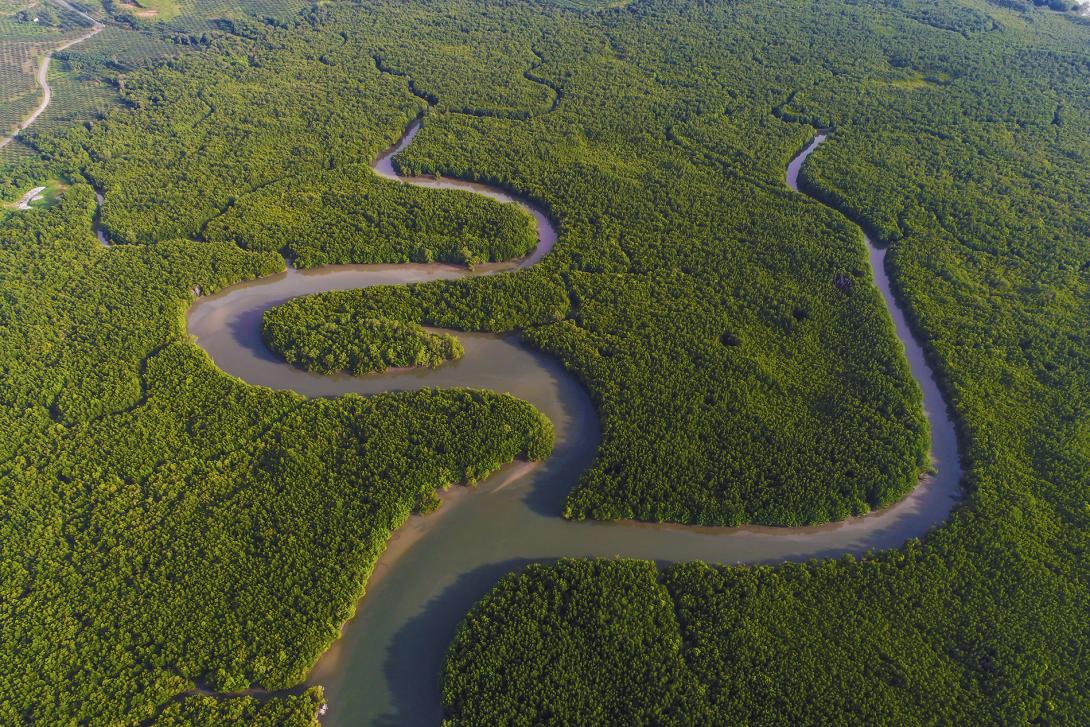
(384, 669)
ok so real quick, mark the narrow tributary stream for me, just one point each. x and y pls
(384, 670)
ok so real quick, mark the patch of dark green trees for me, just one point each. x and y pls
(702, 303)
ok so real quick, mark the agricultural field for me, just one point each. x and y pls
(193, 15)
(184, 545)
(28, 30)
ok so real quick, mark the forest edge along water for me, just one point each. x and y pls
(384, 669)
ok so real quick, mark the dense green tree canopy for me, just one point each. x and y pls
(808, 414)
(170, 526)
(967, 154)
(357, 346)
(175, 526)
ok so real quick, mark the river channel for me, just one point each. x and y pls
(384, 669)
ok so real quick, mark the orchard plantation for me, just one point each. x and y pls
(174, 537)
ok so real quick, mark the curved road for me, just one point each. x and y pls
(383, 670)
(43, 69)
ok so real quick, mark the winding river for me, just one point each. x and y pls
(384, 668)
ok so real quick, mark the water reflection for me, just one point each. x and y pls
(384, 669)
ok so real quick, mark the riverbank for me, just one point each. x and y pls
(386, 663)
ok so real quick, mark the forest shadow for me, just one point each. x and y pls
(414, 660)
(579, 433)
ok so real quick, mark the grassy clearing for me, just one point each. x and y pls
(54, 190)
(153, 10)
